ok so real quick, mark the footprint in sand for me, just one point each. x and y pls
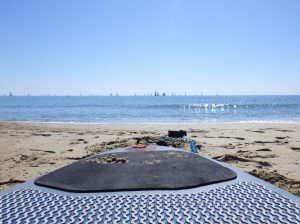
(283, 130)
(263, 150)
(239, 138)
(282, 137)
(259, 131)
(261, 156)
(295, 149)
(265, 142)
(43, 134)
(82, 140)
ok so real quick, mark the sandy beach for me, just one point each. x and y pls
(270, 151)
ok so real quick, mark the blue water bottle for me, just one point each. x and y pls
(193, 146)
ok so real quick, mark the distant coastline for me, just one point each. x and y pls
(145, 95)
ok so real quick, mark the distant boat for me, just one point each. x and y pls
(10, 94)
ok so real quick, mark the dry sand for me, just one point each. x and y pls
(270, 151)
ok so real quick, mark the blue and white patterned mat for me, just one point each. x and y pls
(241, 202)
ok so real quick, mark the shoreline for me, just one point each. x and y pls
(159, 123)
(270, 151)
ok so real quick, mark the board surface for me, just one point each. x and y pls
(234, 203)
(126, 171)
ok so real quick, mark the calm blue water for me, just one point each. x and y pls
(150, 109)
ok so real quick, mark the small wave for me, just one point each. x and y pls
(165, 106)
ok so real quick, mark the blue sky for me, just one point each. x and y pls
(97, 47)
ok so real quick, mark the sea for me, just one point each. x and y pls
(150, 109)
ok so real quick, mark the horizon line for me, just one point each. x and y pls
(138, 95)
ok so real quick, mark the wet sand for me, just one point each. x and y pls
(270, 151)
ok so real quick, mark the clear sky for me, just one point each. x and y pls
(97, 47)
